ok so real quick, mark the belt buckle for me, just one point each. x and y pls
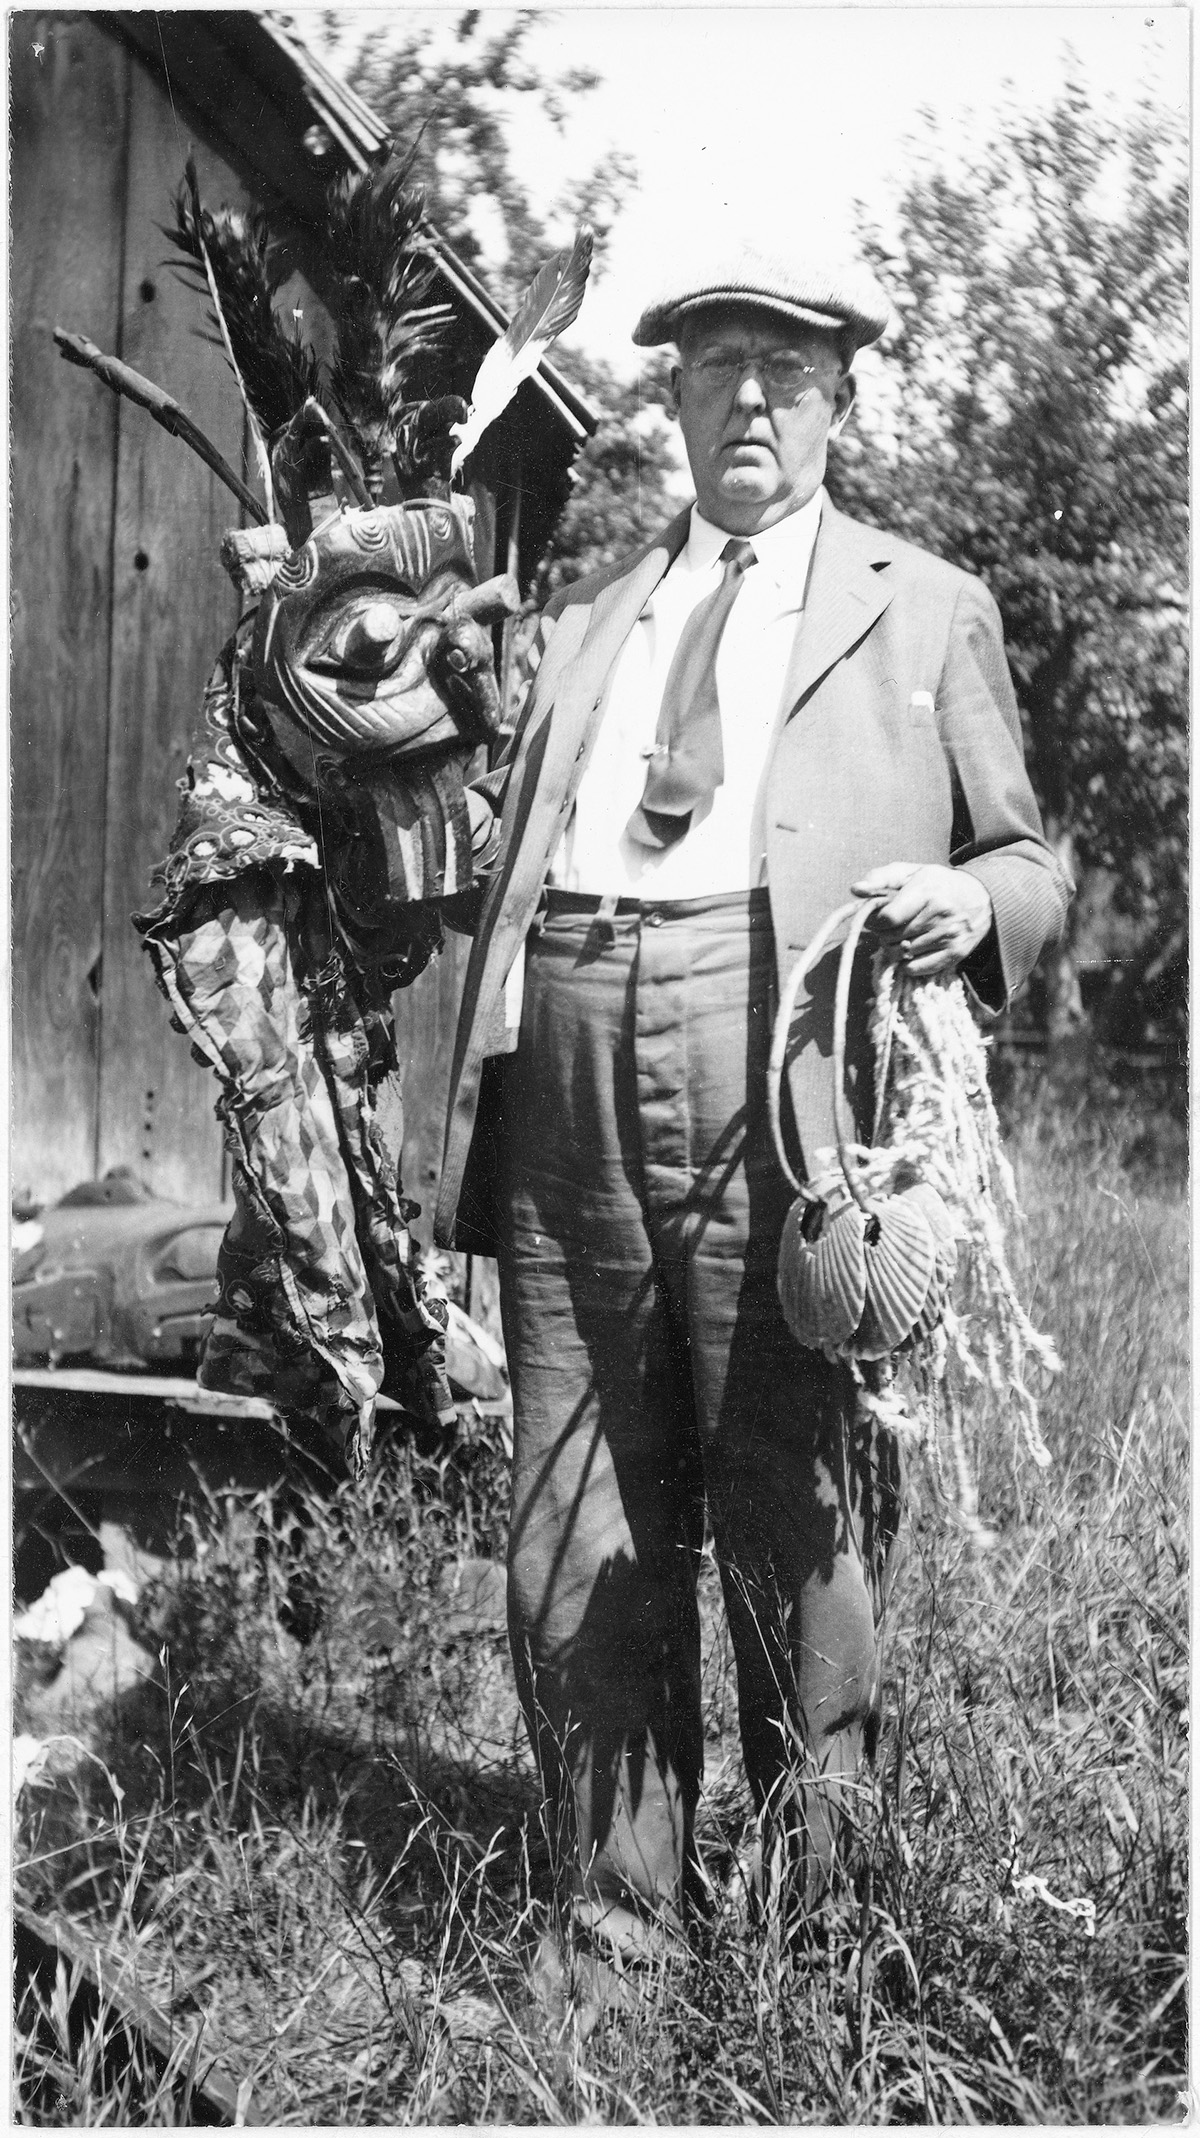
(605, 921)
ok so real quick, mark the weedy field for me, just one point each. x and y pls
(320, 1857)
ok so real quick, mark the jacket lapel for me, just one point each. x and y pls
(615, 611)
(559, 741)
(846, 595)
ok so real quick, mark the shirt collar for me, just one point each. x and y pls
(783, 551)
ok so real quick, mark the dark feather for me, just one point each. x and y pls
(384, 322)
(278, 369)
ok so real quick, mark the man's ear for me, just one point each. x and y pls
(676, 382)
(843, 401)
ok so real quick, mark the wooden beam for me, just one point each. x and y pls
(158, 1388)
(172, 609)
(69, 92)
(129, 2023)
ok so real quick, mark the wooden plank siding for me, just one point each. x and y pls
(70, 90)
(173, 606)
(119, 608)
(118, 601)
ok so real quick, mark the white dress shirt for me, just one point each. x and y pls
(724, 847)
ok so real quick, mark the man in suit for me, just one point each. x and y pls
(765, 709)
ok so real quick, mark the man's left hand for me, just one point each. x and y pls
(937, 915)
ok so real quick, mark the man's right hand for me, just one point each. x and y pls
(937, 915)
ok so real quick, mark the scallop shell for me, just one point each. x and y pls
(930, 1203)
(945, 1263)
(823, 1282)
(900, 1254)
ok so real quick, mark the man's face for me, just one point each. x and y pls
(756, 437)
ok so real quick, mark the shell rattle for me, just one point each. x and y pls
(860, 1274)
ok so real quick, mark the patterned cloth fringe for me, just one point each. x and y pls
(323, 1299)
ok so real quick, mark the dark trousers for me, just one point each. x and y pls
(652, 1371)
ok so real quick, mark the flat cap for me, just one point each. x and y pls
(822, 290)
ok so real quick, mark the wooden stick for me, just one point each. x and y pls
(344, 458)
(77, 349)
(51, 1944)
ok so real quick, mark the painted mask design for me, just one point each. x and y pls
(371, 641)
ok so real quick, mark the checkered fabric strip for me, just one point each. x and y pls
(236, 989)
(412, 1306)
(318, 1253)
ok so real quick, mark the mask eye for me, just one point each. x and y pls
(363, 637)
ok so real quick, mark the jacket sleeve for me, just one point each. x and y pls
(485, 795)
(998, 833)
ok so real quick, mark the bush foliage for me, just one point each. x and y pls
(1031, 424)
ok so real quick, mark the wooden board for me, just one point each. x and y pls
(172, 609)
(426, 1016)
(70, 90)
(427, 1012)
(107, 2012)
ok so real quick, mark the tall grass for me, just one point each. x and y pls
(331, 1850)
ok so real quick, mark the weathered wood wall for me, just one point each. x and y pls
(119, 607)
(172, 608)
(69, 106)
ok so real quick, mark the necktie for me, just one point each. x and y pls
(688, 764)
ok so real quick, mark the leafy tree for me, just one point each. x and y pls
(624, 493)
(454, 106)
(1030, 423)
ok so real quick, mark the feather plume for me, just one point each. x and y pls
(549, 305)
(384, 324)
(232, 258)
(257, 440)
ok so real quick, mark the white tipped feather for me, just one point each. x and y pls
(549, 305)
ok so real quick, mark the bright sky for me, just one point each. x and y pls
(771, 115)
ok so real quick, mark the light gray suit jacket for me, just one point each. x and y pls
(900, 741)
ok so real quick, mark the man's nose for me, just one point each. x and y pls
(750, 395)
